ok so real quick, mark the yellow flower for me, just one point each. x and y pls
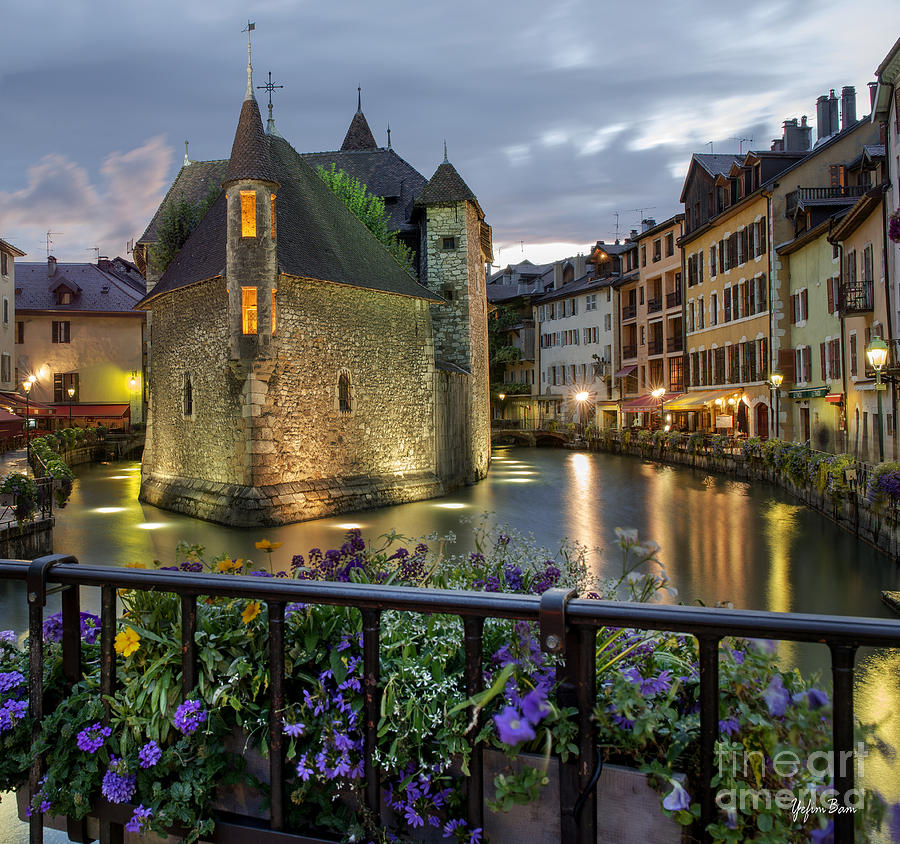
(265, 545)
(135, 566)
(223, 565)
(250, 612)
(127, 642)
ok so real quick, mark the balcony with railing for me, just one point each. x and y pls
(655, 346)
(654, 305)
(675, 344)
(856, 298)
(673, 299)
(830, 195)
(629, 312)
(629, 352)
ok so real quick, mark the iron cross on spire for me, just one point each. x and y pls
(270, 87)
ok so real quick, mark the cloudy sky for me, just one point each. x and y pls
(557, 114)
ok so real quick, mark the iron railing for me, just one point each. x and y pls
(629, 351)
(673, 298)
(675, 344)
(655, 346)
(568, 627)
(629, 311)
(856, 297)
(654, 305)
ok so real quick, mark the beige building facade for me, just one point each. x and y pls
(8, 255)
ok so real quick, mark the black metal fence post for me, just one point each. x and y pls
(843, 775)
(473, 627)
(371, 708)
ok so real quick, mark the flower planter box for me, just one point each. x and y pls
(628, 809)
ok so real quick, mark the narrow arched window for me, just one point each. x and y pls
(248, 213)
(344, 402)
(188, 395)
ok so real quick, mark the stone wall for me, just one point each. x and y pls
(27, 541)
(267, 442)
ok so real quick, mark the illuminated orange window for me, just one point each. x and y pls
(248, 213)
(248, 309)
(273, 220)
(273, 310)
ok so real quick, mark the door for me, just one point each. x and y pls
(762, 421)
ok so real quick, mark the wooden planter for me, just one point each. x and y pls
(628, 809)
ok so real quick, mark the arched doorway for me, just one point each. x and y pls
(762, 421)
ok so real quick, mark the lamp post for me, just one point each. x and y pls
(71, 392)
(775, 379)
(877, 352)
(502, 397)
(581, 398)
(658, 394)
(26, 386)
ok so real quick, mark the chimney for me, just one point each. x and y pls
(848, 106)
(557, 275)
(51, 265)
(580, 265)
(796, 137)
(634, 234)
(834, 121)
(823, 120)
(873, 90)
(649, 223)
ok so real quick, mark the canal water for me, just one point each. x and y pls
(722, 540)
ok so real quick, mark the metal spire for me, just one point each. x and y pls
(186, 159)
(389, 135)
(358, 99)
(249, 95)
(445, 151)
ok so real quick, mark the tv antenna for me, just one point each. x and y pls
(617, 225)
(742, 141)
(710, 145)
(50, 240)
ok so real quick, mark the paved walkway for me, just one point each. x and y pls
(14, 461)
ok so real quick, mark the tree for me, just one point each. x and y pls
(176, 222)
(500, 351)
(369, 209)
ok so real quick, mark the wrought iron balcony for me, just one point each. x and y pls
(675, 344)
(629, 351)
(654, 305)
(655, 346)
(673, 299)
(629, 312)
(836, 192)
(856, 298)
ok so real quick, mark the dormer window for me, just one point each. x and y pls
(63, 297)
(248, 213)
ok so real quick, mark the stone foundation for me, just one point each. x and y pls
(278, 504)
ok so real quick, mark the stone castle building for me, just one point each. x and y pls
(297, 369)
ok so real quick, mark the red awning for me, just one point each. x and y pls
(97, 411)
(626, 370)
(835, 398)
(648, 403)
(16, 403)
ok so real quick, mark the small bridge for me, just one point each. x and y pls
(510, 433)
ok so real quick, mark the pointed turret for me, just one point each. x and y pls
(250, 150)
(359, 136)
(446, 185)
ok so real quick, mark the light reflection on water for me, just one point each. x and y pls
(721, 540)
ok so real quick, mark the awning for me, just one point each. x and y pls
(698, 400)
(626, 370)
(649, 403)
(10, 424)
(98, 411)
(835, 398)
(14, 403)
(808, 393)
(606, 405)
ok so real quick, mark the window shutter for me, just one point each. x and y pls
(55, 337)
(830, 288)
(793, 308)
(836, 369)
(807, 363)
(824, 369)
(804, 303)
(786, 364)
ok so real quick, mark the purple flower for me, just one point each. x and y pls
(823, 836)
(149, 754)
(512, 574)
(10, 712)
(677, 800)
(303, 769)
(512, 727)
(817, 698)
(91, 739)
(656, 685)
(117, 787)
(9, 636)
(776, 696)
(139, 819)
(11, 680)
(294, 730)
(535, 707)
(894, 815)
(52, 628)
(189, 716)
(729, 726)
(194, 566)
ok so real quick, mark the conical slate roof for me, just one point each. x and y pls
(359, 136)
(250, 151)
(318, 237)
(446, 185)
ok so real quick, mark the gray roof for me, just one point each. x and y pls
(446, 186)
(716, 165)
(250, 151)
(318, 236)
(93, 288)
(359, 136)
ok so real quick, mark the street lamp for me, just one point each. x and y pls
(502, 397)
(581, 398)
(877, 352)
(775, 379)
(658, 394)
(26, 386)
(71, 392)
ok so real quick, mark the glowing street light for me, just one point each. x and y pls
(71, 392)
(27, 384)
(877, 352)
(658, 394)
(774, 382)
